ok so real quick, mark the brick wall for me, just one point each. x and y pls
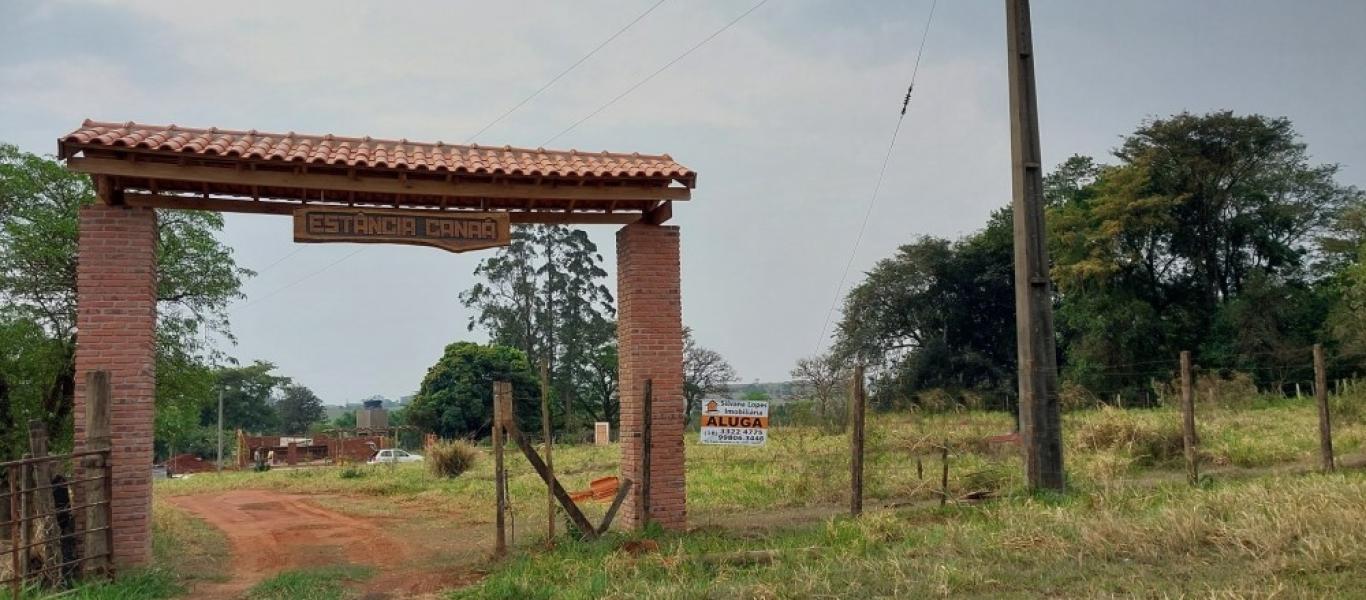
(116, 329)
(650, 341)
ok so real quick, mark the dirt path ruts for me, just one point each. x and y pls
(271, 532)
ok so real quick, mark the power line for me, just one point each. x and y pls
(281, 259)
(647, 79)
(543, 88)
(564, 72)
(297, 281)
(882, 172)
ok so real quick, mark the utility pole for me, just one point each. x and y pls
(1040, 421)
(220, 430)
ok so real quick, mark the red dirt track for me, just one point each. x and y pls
(271, 532)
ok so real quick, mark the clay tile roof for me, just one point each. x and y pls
(374, 153)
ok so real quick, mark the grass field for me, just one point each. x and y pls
(1261, 524)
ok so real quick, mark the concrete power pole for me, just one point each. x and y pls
(220, 431)
(1040, 421)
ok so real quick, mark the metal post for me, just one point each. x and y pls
(1040, 420)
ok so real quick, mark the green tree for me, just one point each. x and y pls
(600, 386)
(299, 409)
(938, 314)
(1203, 238)
(346, 420)
(248, 398)
(755, 395)
(197, 278)
(456, 397)
(544, 294)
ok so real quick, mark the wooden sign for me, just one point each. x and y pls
(602, 433)
(453, 231)
(740, 422)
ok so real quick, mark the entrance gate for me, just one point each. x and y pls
(139, 168)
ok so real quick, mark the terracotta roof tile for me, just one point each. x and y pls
(374, 153)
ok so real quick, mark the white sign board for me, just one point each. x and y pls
(740, 422)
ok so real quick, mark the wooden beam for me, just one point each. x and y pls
(271, 207)
(500, 549)
(647, 443)
(622, 493)
(549, 455)
(343, 183)
(575, 515)
(660, 214)
(856, 439)
(99, 537)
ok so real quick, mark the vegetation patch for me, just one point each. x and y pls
(1292, 536)
(451, 458)
(320, 583)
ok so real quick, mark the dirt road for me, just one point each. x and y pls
(271, 532)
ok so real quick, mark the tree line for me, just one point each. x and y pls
(197, 278)
(1213, 233)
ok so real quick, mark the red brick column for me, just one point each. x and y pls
(650, 341)
(116, 332)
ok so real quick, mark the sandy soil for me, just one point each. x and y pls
(271, 532)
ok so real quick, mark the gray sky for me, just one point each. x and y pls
(785, 116)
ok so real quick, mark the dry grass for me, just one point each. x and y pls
(1128, 528)
(1145, 438)
(1283, 536)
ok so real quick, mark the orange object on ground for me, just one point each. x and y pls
(604, 488)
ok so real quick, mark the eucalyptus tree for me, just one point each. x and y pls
(545, 294)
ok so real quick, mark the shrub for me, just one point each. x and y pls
(451, 458)
(936, 400)
(1234, 390)
(1348, 408)
(352, 472)
(1147, 438)
(1073, 396)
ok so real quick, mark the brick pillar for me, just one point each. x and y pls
(650, 342)
(116, 332)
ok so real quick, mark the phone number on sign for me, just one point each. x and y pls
(731, 435)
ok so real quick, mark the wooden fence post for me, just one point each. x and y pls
(647, 443)
(944, 474)
(500, 539)
(856, 442)
(42, 502)
(1321, 396)
(549, 458)
(1188, 438)
(99, 537)
(26, 529)
(17, 583)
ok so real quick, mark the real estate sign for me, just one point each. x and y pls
(739, 422)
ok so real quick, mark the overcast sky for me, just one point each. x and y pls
(785, 117)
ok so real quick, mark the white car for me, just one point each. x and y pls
(394, 455)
